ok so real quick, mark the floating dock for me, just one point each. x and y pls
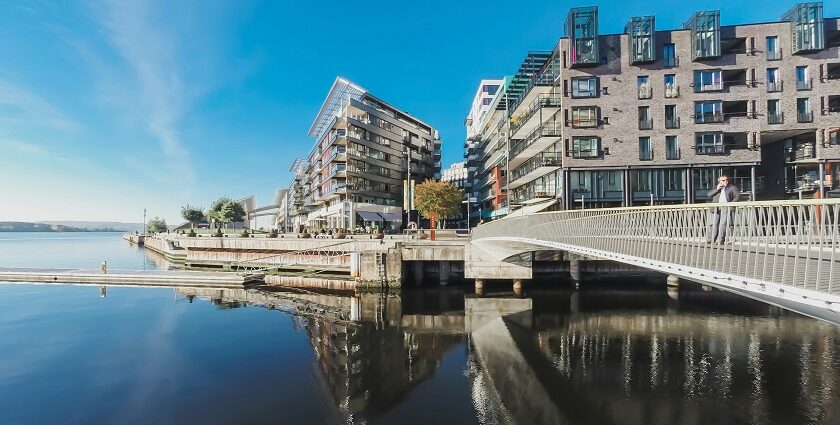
(165, 278)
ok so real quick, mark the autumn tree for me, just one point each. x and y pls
(437, 200)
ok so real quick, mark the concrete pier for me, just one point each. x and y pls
(165, 278)
(673, 287)
(517, 287)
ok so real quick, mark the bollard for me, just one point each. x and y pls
(103, 268)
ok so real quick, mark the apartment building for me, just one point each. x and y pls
(366, 156)
(484, 114)
(653, 116)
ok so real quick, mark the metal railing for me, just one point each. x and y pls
(673, 122)
(776, 118)
(806, 84)
(774, 55)
(774, 86)
(805, 116)
(773, 246)
(646, 124)
(645, 91)
(672, 91)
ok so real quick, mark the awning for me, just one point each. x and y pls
(369, 216)
(393, 217)
(534, 208)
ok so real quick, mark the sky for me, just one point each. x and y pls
(108, 107)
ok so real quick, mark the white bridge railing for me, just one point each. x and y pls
(783, 244)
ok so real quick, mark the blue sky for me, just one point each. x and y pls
(107, 107)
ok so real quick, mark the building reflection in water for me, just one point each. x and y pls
(575, 357)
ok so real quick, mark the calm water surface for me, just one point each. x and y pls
(197, 356)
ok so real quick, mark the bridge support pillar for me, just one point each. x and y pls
(707, 288)
(479, 287)
(417, 269)
(444, 273)
(673, 287)
(574, 268)
(517, 286)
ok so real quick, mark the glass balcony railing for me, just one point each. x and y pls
(542, 101)
(550, 129)
(805, 116)
(340, 168)
(708, 117)
(646, 124)
(645, 91)
(710, 150)
(672, 122)
(672, 153)
(805, 84)
(702, 88)
(778, 118)
(774, 55)
(774, 86)
(544, 159)
(672, 91)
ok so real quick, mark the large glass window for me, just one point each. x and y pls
(671, 118)
(645, 149)
(774, 52)
(709, 80)
(645, 122)
(803, 110)
(641, 31)
(584, 87)
(705, 112)
(803, 81)
(669, 55)
(672, 180)
(774, 112)
(586, 147)
(774, 80)
(643, 85)
(709, 143)
(672, 148)
(806, 25)
(582, 30)
(672, 90)
(584, 117)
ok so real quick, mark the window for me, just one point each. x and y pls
(486, 101)
(586, 147)
(672, 90)
(584, 117)
(707, 81)
(669, 55)
(774, 113)
(673, 180)
(643, 84)
(490, 89)
(802, 80)
(708, 112)
(645, 149)
(709, 143)
(640, 180)
(672, 148)
(772, 48)
(645, 122)
(671, 118)
(803, 110)
(584, 87)
(774, 80)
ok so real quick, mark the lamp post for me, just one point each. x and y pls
(468, 201)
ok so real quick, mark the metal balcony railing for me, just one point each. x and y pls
(805, 116)
(646, 124)
(672, 91)
(774, 55)
(672, 153)
(549, 129)
(671, 123)
(542, 101)
(774, 86)
(544, 159)
(778, 118)
(780, 250)
(645, 91)
(646, 154)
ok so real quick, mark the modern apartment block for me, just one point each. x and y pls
(653, 116)
(482, 121)
(365, 155)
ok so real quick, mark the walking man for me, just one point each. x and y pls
(724, 193)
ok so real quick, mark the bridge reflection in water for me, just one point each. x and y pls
(586, 357)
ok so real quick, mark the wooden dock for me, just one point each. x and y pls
(165, 278)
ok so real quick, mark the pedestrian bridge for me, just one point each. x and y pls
(779, 252)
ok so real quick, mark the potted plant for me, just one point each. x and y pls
(341, 233)
(377, 233)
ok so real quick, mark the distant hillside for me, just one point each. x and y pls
(100, 226)
(18, 226)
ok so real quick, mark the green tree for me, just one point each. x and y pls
(437, 200)
(215, 211)
(156, 225)
(232, 211)
(192, 214)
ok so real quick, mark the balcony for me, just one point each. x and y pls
(710, 117)
(339, 153)
(540, 165)
(535, 142)
(672, 91)
(646, 124)
(542, 108)
(335, 189)
(774, 86)
(672, 123)
(778, 118)
(645, 91)
(803, 85)
(774, 55)
(337, 169)
(710, 150)
(339, 133)
(805, 117)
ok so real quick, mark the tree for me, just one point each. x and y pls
(191, 214)
(215, 211)
(232, 211)
(156, 225)
(437, 200)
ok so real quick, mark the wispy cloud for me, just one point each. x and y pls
(22, 147)
(19, 105)
(151, 52)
